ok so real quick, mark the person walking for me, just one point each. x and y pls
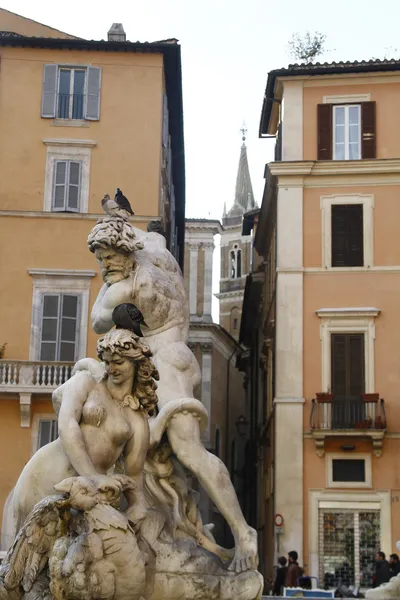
(294, 571)
(280, 577)
(394, 563)
(382, 569)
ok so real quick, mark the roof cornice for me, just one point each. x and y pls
(334, 167)
(271, 98)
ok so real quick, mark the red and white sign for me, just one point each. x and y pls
(278, 520)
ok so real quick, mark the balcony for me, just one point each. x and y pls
(70, 106)
(338, 416)
(26, 378)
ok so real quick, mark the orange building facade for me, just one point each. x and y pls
(77, 119)
(331, 214)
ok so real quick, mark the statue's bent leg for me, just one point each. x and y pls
(184, 436)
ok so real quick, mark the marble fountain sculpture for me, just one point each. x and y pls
(106, 511)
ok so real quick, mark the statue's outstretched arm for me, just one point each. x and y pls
(74, 397)
(135, 456)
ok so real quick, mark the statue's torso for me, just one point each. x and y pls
(105, 427)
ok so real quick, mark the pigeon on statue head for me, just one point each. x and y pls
(128, 316)
(123, 202)
(119, 207)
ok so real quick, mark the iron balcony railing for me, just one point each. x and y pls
(338, 412)
(70, 106)
(33, 376)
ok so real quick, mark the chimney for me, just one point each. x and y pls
(116, 33)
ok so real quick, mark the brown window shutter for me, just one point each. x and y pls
(356, 354)
(368, 129)
(347, 235)
(338, 364)
(324, 132)
(347, 364)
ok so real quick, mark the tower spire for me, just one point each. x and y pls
(244, 190)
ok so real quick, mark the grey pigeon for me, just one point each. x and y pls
(128, 316)
(110, 206)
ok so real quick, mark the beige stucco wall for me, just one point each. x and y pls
(386, 94)
(39, 243)
(355, 289)
(127, 136)
(15, 441)
(12, 22)
(386, 216)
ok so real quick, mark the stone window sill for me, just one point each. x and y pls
(69, 123)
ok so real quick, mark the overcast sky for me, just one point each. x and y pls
(228, 47)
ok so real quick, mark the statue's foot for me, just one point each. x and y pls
(246, 555)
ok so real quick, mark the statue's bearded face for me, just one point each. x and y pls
(115, 266)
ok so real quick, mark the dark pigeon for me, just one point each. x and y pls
(123, 202)
(128, 316)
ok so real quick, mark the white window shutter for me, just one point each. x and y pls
(92, 101)
(69, 327)
(49, 327)
(74, 185)
(59, 185)
(49, 91)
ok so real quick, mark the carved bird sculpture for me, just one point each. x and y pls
(119, 207)
(90, 552)
(128, 316)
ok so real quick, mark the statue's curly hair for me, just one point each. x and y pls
(114, 232)
(127, 344)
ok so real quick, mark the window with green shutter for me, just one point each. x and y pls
(59, 327)
(66, 185)
(347, 235)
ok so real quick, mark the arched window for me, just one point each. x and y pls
(239, 263)
(235, 319)
(235, 262)
(232, 266)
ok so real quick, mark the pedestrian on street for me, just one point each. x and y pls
(394, 563)
(382, 569)
(280, 577)
(294, 571)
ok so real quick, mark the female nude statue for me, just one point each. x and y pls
(103, 416)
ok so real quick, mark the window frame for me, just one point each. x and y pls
(348, 320)
(235, 255)
(348, 255)
(36, 419)
(72, 69)
(59, 318)
(368, 203)
(348, 363)
(346, 108)
(53, 281)
(67, 184)
(68, 150)
(366, 457)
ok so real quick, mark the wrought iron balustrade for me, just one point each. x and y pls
(70, 106)
(366, 412)
(33, 376)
